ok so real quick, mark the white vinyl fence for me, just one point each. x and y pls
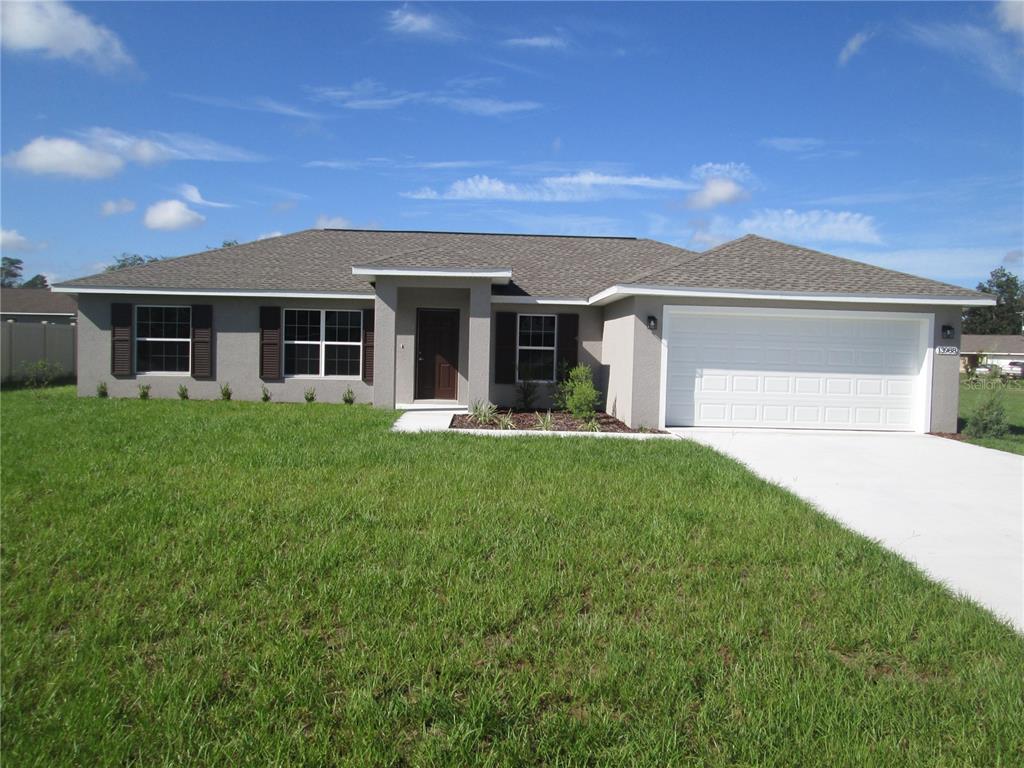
(23, 344)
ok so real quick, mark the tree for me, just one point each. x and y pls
(38, 281)
(1007, 316)
(126, 260)
(10, 272)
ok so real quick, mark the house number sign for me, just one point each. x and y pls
(947, 351)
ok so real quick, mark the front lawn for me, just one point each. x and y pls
(228, 583)
(971, 395)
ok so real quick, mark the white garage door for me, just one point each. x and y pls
(811, 369)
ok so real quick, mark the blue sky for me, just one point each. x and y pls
(886, 132)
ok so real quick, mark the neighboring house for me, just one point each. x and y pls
(36, 305)
(995, 349)
(753, 333)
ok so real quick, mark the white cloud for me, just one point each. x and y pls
(1014, 259)
(853, 46)
(60, 32)
(267, 235)
(369, 94)
(734, 171)
(323, 221)
(540, 41)
(170, 215)
(116, 207)
(12, 241)
(793, 143)
(191, 193)
(818, 225)
(104, 151)
(716, 192)
(65, 157)
(405, 21)
(586, 185)
(1010, 14)
(961, 265)
(987, 50)
(711, 232)
(257, 104)
(484, 106)
(161, 146)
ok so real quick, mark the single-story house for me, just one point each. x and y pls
(752, 333)
(996, 349)
(37, 305)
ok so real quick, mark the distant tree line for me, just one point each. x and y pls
(1007, 316)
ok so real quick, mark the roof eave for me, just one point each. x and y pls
(616, 292)
(497, 276)
(215, 292)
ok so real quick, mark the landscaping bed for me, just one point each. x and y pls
(561, 421)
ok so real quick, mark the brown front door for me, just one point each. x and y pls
(437, 354)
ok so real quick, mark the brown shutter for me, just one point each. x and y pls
(120, 340)
(368, 346)
(202, 341)
(270, 343)
(567, 355)
(505, 348)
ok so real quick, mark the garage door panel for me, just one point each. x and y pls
(814, 371)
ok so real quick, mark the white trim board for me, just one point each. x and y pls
(214, 292)
(496, 275)
(622, 291)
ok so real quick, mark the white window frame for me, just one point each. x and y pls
(136, 339)
(323, 344)
(553, 348)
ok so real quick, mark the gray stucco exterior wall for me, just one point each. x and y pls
(641, 404)
(591, 332)
(236, 352)
(398, 299)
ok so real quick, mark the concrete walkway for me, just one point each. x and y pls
(953, 509)
(424, 421)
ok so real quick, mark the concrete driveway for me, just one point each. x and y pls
(953, 509)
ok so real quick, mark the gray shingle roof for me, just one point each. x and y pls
(973, 344)
(321, 261)
(757, 263)
(32, 301)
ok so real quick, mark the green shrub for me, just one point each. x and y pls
(265, 394)
(349, 397)
(144, 391)
(183, 392)
(483, 412)
(526, 393)
(577, 394)
(41, 373)
(989, 418)
(225, 391)
(310, 395)
(101, 389)
(580, 396)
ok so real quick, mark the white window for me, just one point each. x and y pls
(163, 339)
(323, 342)
(535, 348)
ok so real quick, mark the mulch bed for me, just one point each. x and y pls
(561, 421)
(950, 436)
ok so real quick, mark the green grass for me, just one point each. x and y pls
(229, 583)
(1013, 400)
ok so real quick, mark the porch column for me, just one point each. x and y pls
(384, 307)
(479, 373)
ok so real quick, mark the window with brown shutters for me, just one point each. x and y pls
(568, 343)
(505, 348)
(270, 343)
(202, 341)
(120, 339)
(368, 346)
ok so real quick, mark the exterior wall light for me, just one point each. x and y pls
(947, 332)
(652, 322)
